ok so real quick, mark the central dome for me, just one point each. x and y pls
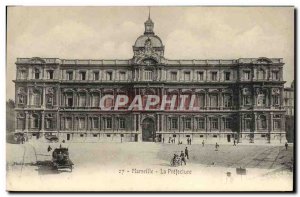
(155, 41)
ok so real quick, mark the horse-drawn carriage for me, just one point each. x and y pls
(175, 161)
(61, 160)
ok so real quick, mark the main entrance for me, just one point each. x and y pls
(148, 130)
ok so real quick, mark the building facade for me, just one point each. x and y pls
(289, 104)
(238, 99)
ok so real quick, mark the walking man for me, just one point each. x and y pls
(163, 140)
(49, 148)
(234, 143)
(217, 146)
(182, 158)
(186, 152)
(286, 146)
(203, 143)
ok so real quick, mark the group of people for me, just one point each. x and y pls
(182, 157)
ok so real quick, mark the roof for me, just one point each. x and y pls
(155, 41)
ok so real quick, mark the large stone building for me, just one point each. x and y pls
(237, 98)
(289, 104)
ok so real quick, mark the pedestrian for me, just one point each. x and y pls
(190, 141)
(163, 140)
(217, 146)
(169, 140)
(203, 143)
(49, 148)
(182, 158)
(286, 146)
(186, 152)
(234, 143)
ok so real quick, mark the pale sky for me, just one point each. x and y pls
(186, 32)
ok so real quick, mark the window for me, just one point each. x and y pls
(247, 123)
(214, 100)
(69, 101)
(148, 75)
(35, 122)
(36, 73)
(95, 135)
(122, 76)
(81, 135)
(247, 75)
(201, 100)
(214, 76)
(109, 76)
(227, 100)
(96, 75)
(82, 100)
(261, 74)
(82, 75)
(277, 124)
(275, 75)
(81, 123)
(70, 75)
(261, 99)
(227, 76)
(22, 74)
(122, 123)
(48, 124)
(95, 100)
(50, 74)
(68, 123)
(200, 76)
(201, 123)
(262, 123)
(214, 123)
(95, 123)
(108, 123)
(174, 124)
(173, 76)
(187, 76)
(36, 99)
(276, 99)
(247, 100)
(21, 99)
(50, 99)
(227, 123)
(188, 123)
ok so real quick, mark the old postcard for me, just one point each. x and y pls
(150, 98)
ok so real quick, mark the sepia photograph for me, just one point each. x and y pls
(150, 98)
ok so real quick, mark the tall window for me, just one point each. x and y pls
(200, 76)
(36, 73)
(148, 75)
(82, 100)
(214, 100)
(122, 76)
(214, 76)
(70, 75)
(174, 123)
(187, 76)
(108, 123)
(201, 123)
(95, 122)
(261, 74)
(261, 99)
(121, 123)
(36, 99)
(96, 75)
(247, 100)
(81, 123)
(48, 123)
(95, 100)
(227, 76)
(69, 100)
(109, 76)
(262, 122)
(214, 123)
(275, 75)
(82, 75)
(35, 121)
(248, 123)
(247, 75)
(188, 123)
(21, 99)
(173, 76)
(227, 123)
(68, 124)
(276, 99)
(22, 74)
(227, 100)
(201, 100)
(50, 74)
(277, 124)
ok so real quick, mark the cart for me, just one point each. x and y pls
(61, 160)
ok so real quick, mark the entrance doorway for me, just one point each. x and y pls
(148, 130)
(68, 136)
(228, 138)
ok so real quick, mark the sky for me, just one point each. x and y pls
(186, 32)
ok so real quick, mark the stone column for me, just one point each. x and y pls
(44, 97)
(43, 121)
